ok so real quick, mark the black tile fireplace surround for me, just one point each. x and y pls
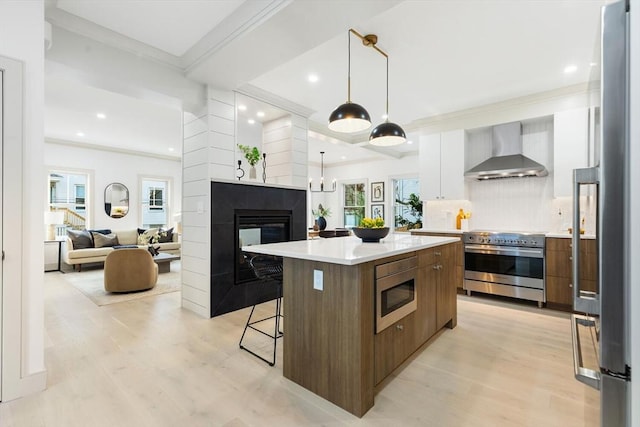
(229, 204)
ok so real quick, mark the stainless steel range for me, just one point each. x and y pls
(505, 263)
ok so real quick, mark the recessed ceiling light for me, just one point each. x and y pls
(260, 114)
(80, 134)
(343, 157)
(242, 107)
(251, 121)
(171, 149)
(101, 115)
(313, 78)
(570, 69)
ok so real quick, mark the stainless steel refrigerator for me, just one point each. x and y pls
(607, 310)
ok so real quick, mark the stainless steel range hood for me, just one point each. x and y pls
(506, 159)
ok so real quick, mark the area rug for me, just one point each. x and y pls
(91, 283)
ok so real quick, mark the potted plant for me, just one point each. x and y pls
(252, 154)
(321, 213)
(371, 230)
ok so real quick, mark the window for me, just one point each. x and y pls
(407, 206)
(79, 192)
(155, 198)
(154, 202)
(354, 204)
(68, 194)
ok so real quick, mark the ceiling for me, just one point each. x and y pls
(444, 56)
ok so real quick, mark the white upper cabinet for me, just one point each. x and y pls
(571, 148)
(442, 166)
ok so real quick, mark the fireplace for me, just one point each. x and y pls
(243, 215)
(257, 227)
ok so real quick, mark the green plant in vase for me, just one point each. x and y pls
(321, 213)
(252, 154)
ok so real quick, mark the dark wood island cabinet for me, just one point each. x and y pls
(330, 342)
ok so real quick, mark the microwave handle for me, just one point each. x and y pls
(583, 301)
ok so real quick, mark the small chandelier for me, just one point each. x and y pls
(322, 190)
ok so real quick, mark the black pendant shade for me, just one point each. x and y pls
(349, 117)
(387, 134)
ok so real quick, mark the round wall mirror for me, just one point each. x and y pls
(116, 200)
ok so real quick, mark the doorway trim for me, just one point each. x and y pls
(14, 382)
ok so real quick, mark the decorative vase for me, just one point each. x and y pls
(322, 223)
(316, 227)
(252, 172)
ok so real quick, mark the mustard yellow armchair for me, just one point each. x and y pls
(128, 270)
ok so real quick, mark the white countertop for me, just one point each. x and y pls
(349, 250)
(566, 235)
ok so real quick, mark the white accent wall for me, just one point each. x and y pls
(107, 166)
(285, 141)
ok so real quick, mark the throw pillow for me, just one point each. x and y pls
(81, 239)
(102, 231)
(104, 240)
(148, 236)
(166, 236)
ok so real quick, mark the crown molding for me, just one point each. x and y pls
(245, 19)
(469, 114)
(99, 147)
(275, 100)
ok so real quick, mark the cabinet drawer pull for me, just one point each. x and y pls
(435, 267)
(437, 253)
(570, 258)
(571, 285)
(399, 327)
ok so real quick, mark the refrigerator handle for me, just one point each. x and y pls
(583, 301)
(587, 376)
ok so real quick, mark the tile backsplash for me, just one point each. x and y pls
(511, 205)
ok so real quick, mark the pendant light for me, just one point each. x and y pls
(322, 190)
(349, 117)
(387, 134)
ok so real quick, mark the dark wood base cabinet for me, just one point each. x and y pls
(330, 344)
(558, 278)
(458, 255)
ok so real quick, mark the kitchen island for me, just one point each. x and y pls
(330, 344)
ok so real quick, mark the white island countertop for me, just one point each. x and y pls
(349, 250)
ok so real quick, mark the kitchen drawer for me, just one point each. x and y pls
(393, 267)
(559, 244)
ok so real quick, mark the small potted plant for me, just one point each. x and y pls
(252, 154)
(321, 213)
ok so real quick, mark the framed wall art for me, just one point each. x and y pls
(377, 192)
(377, 211)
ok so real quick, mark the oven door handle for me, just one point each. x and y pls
(479, 249)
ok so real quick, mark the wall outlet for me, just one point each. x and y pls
(318, 280)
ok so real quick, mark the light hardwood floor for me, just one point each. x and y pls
(150, 363)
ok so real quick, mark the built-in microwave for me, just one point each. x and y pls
(396, 294)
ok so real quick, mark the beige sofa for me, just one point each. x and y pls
(77, 257)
